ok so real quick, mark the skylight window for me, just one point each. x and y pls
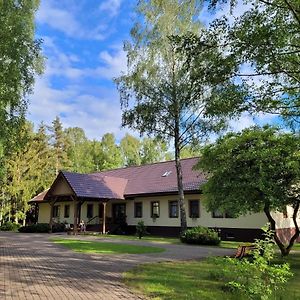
(166, 174)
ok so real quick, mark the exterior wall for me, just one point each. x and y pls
(243, 228)
(44, 213)
(254, 221)
(62, 188)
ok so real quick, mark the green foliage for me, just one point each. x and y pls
(58, 227)
(60, 145)
(36, 228)
(256, 278)
(160, 94)
(141, 229)
(9, 226)
(253, 171)
(266, 37)
(200, 236)
(20, 61)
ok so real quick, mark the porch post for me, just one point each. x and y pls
(104, 217)
(52, 202)
(75, 221)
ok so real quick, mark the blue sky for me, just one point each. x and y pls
(83, 43)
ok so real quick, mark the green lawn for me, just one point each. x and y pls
(104, 247)
(148, 238)
(191, 280)
(163, 240)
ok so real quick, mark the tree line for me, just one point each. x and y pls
(41, 154)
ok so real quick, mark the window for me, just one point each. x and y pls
(67, 211)
(155, 209)
(56, 211)
(217, 214)
(89, 211)
(194, 209)
(138, 209)
(173, 209)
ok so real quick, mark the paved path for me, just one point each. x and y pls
(32, 267)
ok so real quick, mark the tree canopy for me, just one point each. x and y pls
(20, 59)
(257, 170)
(160, 94)
(265, 41)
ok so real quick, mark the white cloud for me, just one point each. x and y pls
(65, 21)
(247, 120)
(112, 7)
(59, 63)
(112, 62)
(241, 123)
(96, 115)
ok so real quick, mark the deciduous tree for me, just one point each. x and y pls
(159, 93)
(257, 170)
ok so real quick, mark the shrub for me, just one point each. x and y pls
(58, 227)
(36, 228)
(141, 229)
(200, 236)
(9, 226)
(254, 278)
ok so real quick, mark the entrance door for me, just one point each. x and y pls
(119, 212)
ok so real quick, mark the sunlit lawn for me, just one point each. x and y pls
(163, 240)
(105, 247)
(147, 238)
(192, 280)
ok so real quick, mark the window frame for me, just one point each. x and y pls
(158, 208)
(56, 211)
(191, 214)
(87, 210)
(135, 209)
(67, 210)
(171, 202)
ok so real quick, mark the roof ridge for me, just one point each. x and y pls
(139, 166)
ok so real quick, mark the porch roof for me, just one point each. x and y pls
(93, 186)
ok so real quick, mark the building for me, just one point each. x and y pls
(109, 200)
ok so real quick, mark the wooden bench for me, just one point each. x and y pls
(244, 251)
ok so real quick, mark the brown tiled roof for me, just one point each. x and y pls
(96, 185)
(156, 178)
(39, 197)
(149, 179)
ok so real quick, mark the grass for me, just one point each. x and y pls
(148, 238)
(164, 240)
(162, 281)
(104, 247)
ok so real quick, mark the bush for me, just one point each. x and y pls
(200, 236)
(9, 226)
(36, 228)
(58, 227)
(141, 229)
(254, 278)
